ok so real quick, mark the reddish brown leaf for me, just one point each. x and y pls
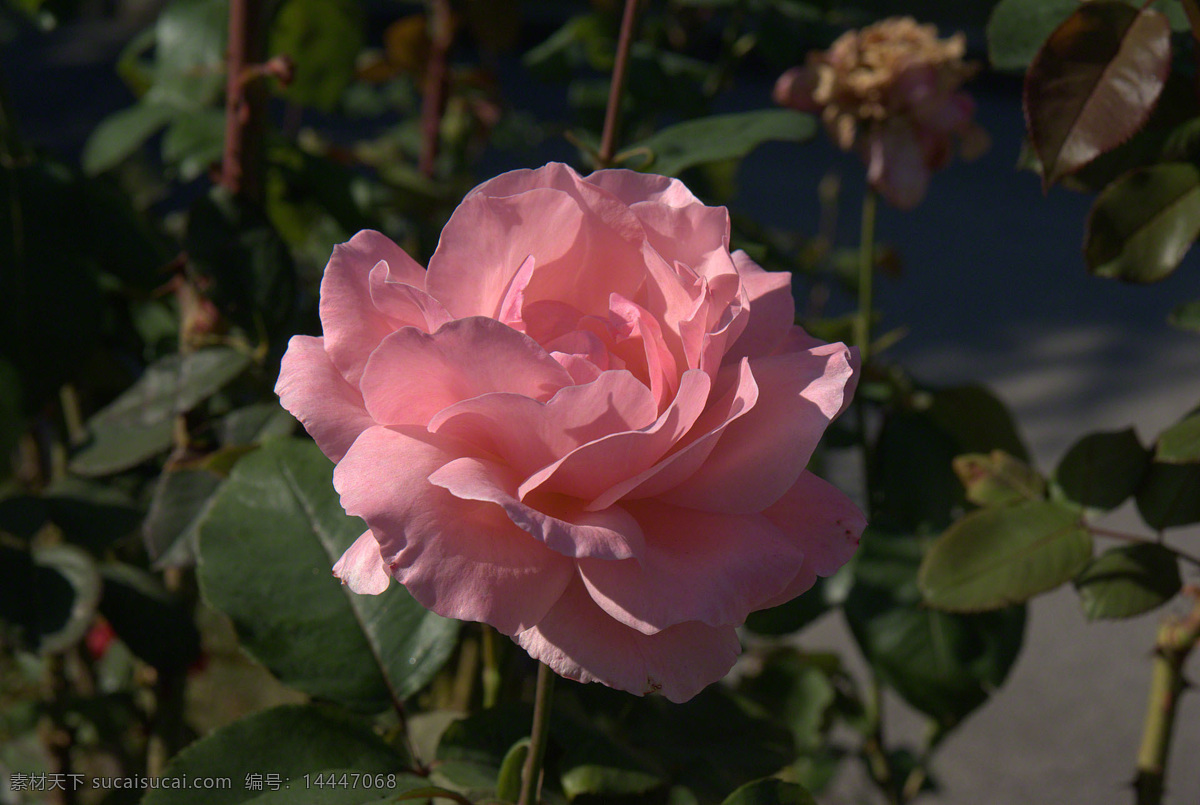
(1094, 83)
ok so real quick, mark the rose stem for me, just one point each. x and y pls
(531, 779)
(245, 101)
(866, 271)
(433, 105)
(1175, 641)
(612, 114)
(491, 668)
(874, 747)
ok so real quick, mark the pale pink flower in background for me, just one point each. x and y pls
(891, 93)
(587, 424)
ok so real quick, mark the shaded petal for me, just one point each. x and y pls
(579, 641)
(896, 166)
(312, 389)
(697, 566)
(823, 522)
(591, 469)
(352, 325)
(759, 456)
(413, 375)
(795, 89)
(772, 309)
(459, 558)
(528, 434)
(735, 393)
(640, 345)
(361, 567)
(405, 305)
(561, 523)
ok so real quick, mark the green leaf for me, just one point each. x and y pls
(770, 792)
(323, 37)
(139, 424)
(255, 423)
(583, 41)
(248, 268)
(1128, 580)
(1180, 443)
(1102, 470)
(712, 744)
(799, 689)
(996, 557)
(90, 513)
(183, 494)
(508, 782)
(122, 133)
(189, 68)
(977, 419)
(695, 142)
(1017, 29)
(472, 750)
(49, 595)
(181, 499)
(479, 753)
(291, 741)
(1143, 224)
(943, 664)
(795, 614)
(153, 623)
(1170, 495)
(915, 485)
(194, 141)
(1186, 316)
(1094, 83)
(266, 549)
(997, 479)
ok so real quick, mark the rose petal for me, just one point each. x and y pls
(591, 469)
(823, 522)
(734, 393)
(772, 309)
(312, 389)
(561, 523)
(640, 344)
(412, 375)
(352, 325)
(528, 434)
(361, 567)
(760, 455)
(579, 641)
(488, 239)
(406, 305)
(896, 166)
(459, 558)
(697, 566)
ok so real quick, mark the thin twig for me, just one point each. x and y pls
(531, 780)
(1140, 540)
(245, 101)
(433, 105)
(1175, 641)
(612, 114)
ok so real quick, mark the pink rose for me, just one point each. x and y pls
(586, 424)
